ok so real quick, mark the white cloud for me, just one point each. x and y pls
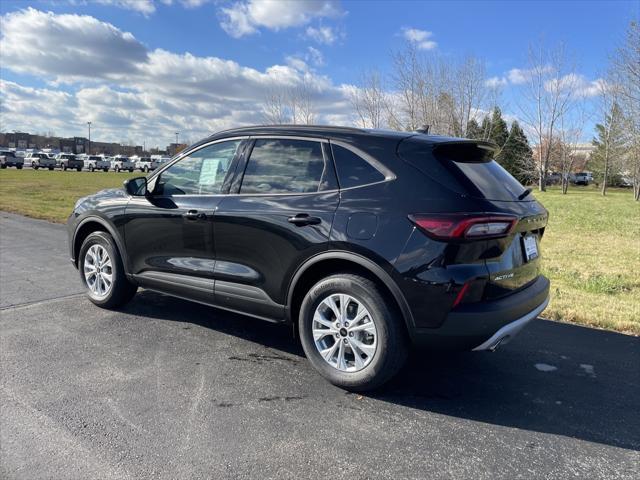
(578, 84)
(420, 38)
(315, 57)
(246, 17)
(130, 92)
(518, 76)
(67, 46)
(324, 35)
(494, 82)
(146, 7)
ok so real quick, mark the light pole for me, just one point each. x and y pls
(89, 148)
(177, 138)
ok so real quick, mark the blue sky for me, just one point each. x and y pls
(336, 40)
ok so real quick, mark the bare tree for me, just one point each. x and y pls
(295, 105)
(571, 129)
(369, 100)
(626, 74)
(549, 89)
(431, 91)
(274, 110)
(611, 132)
(469, 92)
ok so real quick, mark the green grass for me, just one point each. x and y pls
(590, 250)
(591, 253)
(50, 195)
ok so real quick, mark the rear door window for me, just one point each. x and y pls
(285, 166)
(353, 170)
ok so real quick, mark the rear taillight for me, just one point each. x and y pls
(464, 226)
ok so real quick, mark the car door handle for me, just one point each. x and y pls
(194, 215)
(302, 219)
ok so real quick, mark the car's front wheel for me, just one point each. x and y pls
(102, 272)
(351, 334)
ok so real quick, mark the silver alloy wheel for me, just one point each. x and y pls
(98, 271)
(344, 332)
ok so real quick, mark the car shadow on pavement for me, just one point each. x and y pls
(553, 378)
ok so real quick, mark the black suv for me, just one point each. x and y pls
(365, 241)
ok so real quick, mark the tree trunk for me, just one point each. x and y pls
(542, 183)
(604, 178)
(636, 191)
(565, 185)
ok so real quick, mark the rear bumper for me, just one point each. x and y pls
(485, 325)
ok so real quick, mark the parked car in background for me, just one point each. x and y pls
(582, 178)
(39, 160)
(145, 164)
(8, 159)
(122, 162)
(554, 179)
(364, 241)
(67, 161)
(96, 162)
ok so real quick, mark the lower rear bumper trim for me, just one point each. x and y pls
(510, 330)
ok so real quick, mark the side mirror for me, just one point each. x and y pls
(136, 187)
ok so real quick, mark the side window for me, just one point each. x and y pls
(200, 173)
(352, 169)
(285, 166)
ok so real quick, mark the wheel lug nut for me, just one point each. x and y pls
(337, 335)
(345, 341)
(351, 334)
(346, 324)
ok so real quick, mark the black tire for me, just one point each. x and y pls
(146, 169)
(19, 167)
(122, 290)
(131, 170)
(51, 168)
(91, 169)
(392, 343)
(34, 166)
(105, 170)
(3, 166)
(79, 169)
(117, 169)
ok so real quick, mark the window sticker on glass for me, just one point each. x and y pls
(209, 171)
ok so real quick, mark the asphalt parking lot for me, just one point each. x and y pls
(168, 389)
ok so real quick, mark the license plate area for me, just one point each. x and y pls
(530, 247)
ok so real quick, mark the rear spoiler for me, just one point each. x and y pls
(465, 150)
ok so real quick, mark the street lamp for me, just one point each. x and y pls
(89, 147)
(177, 138)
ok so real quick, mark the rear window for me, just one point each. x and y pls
(465, 168)
(8, 154)
(490, 179)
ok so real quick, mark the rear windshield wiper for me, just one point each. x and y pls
(524, 194)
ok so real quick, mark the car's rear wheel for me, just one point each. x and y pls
(51, 168)
(91, 169)
(145, 169)
(351, 334)
(102, 272)
(19, 167)
(3, 166)
(64, 168)
(117, 169)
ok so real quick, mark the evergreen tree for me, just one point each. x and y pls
(473, 130)
(609, 146)
(516, 155)
(499, 131)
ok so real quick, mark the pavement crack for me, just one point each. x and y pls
(41, 302)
